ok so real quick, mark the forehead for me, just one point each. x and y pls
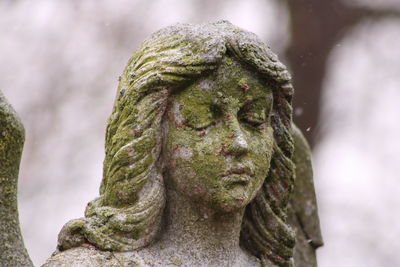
(232, 79)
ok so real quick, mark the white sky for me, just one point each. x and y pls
(357, 164)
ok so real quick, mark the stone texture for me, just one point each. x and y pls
(198, 154)
(200, 166)
(12, 136)
(303, 211)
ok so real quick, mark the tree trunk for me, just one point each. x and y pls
(316, 28)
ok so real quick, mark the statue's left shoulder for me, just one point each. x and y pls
(88, 256)
(84, 257)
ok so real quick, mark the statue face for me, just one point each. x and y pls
(218, 138)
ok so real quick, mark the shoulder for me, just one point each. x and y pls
(90, 257)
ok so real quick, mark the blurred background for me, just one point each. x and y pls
(60, 62)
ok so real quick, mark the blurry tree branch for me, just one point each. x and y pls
(316, 28)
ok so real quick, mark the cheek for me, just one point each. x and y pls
(181, 152)
(190, 170)
(183, 177)
(262, 150)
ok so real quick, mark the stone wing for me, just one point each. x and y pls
(303, 210)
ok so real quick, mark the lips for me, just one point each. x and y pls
(238, 174)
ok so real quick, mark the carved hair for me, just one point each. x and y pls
(128, 213)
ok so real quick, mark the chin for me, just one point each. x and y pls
(232, 202)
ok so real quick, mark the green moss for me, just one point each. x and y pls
(176, 261)
(11, 145)
(216, 112)
(197, 109)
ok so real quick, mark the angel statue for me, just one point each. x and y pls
(203, 165)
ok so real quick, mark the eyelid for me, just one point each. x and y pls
(247, 114)
(215, 114)
(260, 117)
(202, 127)
(253, 122)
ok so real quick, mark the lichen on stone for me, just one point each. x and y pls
(12, 136)
(128, 214)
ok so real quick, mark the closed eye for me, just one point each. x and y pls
(253, 113)
(204, 117)
(254, 120)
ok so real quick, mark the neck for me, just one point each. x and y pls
(199, 233)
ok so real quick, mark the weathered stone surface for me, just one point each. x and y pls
(200, 163)
(12, 249)
(303, 211)
(199, 148)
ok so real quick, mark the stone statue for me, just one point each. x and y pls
(203, 164)
(12, 136)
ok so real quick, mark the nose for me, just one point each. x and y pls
(237, 143)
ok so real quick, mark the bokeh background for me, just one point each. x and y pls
(59, 66)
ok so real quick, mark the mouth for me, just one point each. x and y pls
(240, 174)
